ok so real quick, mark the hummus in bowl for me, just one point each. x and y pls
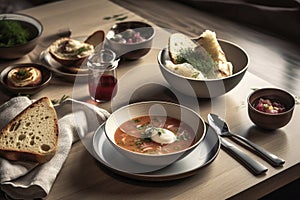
(70, 52)
(26, 78)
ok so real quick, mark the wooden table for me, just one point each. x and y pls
(82, 177)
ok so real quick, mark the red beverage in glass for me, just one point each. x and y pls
(103, 88)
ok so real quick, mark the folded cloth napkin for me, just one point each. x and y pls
(25, 180)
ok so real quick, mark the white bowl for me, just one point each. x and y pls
(157, 108)
(208, 88)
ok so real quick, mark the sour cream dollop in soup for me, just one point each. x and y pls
(154, 135)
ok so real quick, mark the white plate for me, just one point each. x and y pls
(68, 73)
(204, 154)
(58, 69)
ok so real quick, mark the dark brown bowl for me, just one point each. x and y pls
(46, 77)
(135, 50)
(68, 62)
(35, 28)
(267, 120)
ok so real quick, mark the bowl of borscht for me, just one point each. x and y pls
(155, 133)
(270, 108)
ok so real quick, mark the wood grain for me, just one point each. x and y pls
(82, 176)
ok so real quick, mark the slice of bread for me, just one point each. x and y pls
(209, 42)
(96, 38)
(179, 42)
(32, 135)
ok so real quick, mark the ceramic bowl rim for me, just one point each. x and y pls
(138, 43)
(4, 73)
(245, 68)
(161, 155)
(39, 29)
(271, 89)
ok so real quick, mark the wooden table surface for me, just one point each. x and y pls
(82, 177)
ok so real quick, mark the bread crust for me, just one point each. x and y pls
(24, 154)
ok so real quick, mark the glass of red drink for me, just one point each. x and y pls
(102, 75)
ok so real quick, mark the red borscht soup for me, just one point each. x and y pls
(132, 135)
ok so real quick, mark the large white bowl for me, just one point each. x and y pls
(208, 88)
(157, 108)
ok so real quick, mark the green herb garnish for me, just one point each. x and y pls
(106, 18)
(80, 50)
(12, 33)
(24, 95)
(22, 74)
(59, 101)
(199, 59)
(121, 18)
(116, 17)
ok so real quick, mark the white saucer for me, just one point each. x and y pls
(58, 69)
(204, 154)
(68, 73)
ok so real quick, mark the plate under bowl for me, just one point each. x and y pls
(204, 154)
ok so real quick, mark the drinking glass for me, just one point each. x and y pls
(102, 76)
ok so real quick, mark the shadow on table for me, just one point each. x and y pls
(277, 17)
(290, 191)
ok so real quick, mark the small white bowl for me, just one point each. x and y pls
(157, 108)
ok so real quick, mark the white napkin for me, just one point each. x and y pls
(25, 180)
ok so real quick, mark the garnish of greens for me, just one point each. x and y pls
(22, 74)
(199, 59)
(12, 33)
(59, 101)
(116, 17)
(80, 50)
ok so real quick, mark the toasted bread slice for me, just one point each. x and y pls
(178, 43)
(96, 38)
(32, 135)
(209, 42)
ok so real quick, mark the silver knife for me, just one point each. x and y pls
(220, 126)
(254, 166)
